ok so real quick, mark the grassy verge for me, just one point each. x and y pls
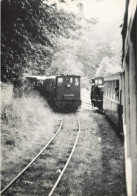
(28, 125)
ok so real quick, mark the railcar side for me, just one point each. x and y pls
(112, 99)
(31, 81)
(129, 64)
(47, 87)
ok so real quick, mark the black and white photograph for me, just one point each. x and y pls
(68, 98)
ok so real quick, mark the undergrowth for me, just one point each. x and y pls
(26, 123)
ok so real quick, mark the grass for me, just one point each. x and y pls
(29, 123)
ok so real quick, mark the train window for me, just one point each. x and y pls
(110, 89)
(100, 81)
(113, 86)
(60, 80)
(106, 88)
(117, 90)
(71, 80)
(76, 82)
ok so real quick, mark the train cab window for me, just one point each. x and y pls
(60, 81)
(99, 81)
(71, 80)
(96, 81)
(76, 82)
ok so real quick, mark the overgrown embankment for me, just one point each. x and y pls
(28, 125)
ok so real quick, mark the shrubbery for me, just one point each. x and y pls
(29, 33)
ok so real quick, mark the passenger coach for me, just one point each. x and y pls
(112, 99)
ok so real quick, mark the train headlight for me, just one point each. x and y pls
(68, 85)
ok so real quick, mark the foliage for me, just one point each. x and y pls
(106, 67)
(40, 39)
(70, 55)
(29, 33)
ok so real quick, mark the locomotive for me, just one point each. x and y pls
(97, 92)
(62, 90)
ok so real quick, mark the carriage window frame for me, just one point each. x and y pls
(71, 80)
(76, 81)
(96, 81)
(105, 89)
(108, 89)
(99, 81)
(60, 81)
(117, 91)
(113, 86)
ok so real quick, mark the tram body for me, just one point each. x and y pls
(112, 99)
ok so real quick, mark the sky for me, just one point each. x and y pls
(106, 10)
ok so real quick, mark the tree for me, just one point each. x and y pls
(29, 33)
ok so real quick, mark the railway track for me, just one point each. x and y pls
(50, 165)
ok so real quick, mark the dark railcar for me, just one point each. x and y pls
(31, 82)
(67, 91)
(63, 91)
(97, 92)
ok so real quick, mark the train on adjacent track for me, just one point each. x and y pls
(62, 90)
(97, 92)
(119, 100)
(106, 94)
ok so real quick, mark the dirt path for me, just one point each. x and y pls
(97, 167)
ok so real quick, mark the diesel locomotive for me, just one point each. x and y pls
(62, 90)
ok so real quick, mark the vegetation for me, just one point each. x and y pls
(29, 33)
(29, 124)
(38, 38)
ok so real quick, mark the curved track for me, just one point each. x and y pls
(20, 174)
(55, 183)
(68, 160)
